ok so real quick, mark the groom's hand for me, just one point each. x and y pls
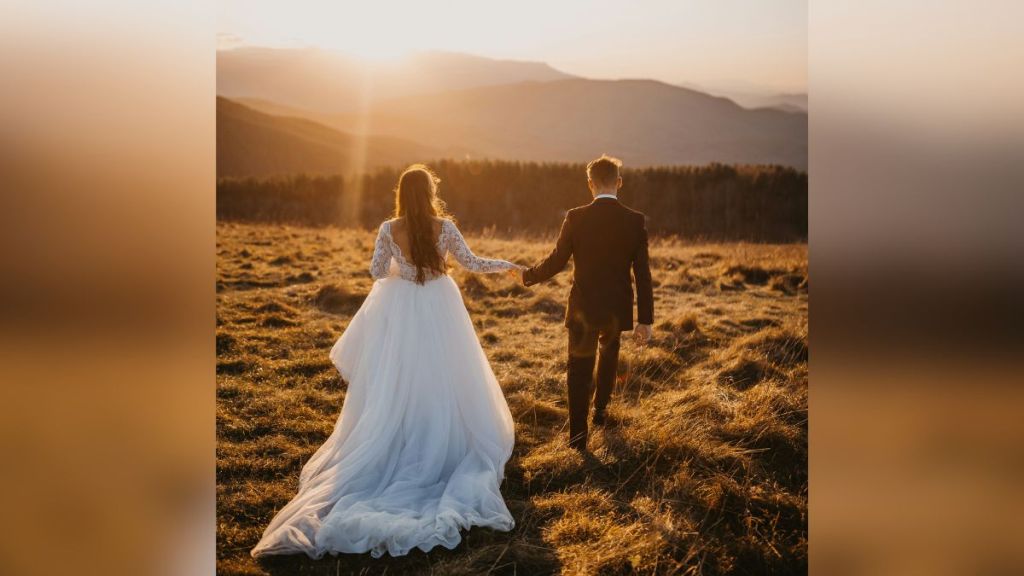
(642, 333)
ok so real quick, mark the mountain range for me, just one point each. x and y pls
(320, 112)
(325, 81)
(251, 143)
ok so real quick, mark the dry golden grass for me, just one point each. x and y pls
(703, 469)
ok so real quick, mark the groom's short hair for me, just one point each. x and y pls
(604, 171)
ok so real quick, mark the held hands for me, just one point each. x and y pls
(642, 334)
(516, 273)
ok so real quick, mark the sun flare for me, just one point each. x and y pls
(378, 53)
(671, 41)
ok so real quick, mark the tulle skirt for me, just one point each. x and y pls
(420, 448)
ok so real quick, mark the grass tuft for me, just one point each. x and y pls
(337, 299)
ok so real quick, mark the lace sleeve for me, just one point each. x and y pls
(381, 262)
(453, 241)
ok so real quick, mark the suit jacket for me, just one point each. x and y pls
(605, 240)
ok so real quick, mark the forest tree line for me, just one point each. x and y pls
(715, 202)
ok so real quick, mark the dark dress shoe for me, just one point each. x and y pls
(600, 419)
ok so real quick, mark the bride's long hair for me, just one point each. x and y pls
(417, 202)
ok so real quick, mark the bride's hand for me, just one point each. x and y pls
(516, 273)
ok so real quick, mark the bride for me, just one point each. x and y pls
(420, 447)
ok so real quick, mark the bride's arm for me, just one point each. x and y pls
(380, 264)
(456, 245)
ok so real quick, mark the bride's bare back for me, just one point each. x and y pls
(393, 241)
(400, 233)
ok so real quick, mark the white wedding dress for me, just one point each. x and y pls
(420, 448)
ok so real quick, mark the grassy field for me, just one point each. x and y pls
(703, 470)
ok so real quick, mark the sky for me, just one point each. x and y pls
(755, 46)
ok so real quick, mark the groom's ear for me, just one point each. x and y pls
(590, 185)
(618, 183)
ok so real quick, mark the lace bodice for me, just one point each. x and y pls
(450, 241)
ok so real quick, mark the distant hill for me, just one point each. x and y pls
(455, 105)
(251, 143)
(785, 102)
(750, 96)
(330, 82)
(643, 121)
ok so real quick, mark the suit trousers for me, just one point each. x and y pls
(585, 341)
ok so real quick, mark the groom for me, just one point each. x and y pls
(605, 239)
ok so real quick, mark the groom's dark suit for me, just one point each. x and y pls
(605, 240)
